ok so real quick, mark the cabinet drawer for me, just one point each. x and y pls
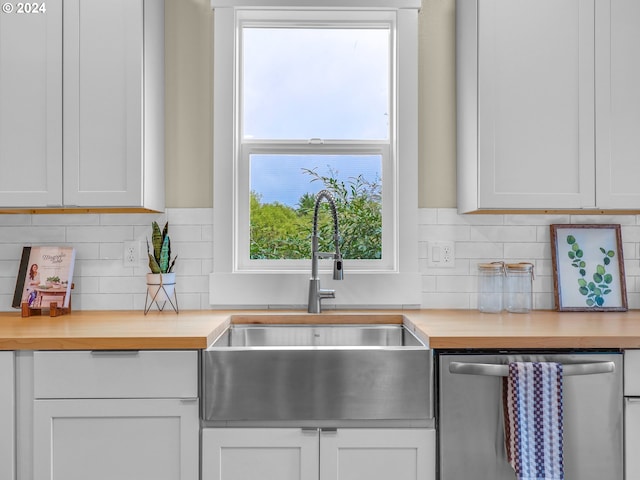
(121, 374)
(632, 373)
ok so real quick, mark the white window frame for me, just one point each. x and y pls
(393, 281)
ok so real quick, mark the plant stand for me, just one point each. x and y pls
(160, 294)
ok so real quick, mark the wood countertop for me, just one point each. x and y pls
(445, 329)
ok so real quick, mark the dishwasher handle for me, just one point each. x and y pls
(502, 370)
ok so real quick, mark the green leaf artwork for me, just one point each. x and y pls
(598, 286)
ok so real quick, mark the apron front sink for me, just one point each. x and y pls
(310, 373)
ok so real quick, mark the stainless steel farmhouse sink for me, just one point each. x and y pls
(316, 372)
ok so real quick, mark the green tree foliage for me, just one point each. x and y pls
(282, 232)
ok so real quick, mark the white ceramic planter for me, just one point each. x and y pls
(161, 286)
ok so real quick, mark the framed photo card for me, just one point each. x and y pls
(588, 268)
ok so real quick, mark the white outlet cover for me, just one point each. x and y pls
(441, 255)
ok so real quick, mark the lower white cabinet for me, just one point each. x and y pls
(632, 437)
(116, 415)
(632, 414)
(150, 439)
(312, 454)
(7, 416)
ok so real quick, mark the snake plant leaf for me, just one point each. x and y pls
(153, 264)
(172, 264)
(156, 240)
(164, 255)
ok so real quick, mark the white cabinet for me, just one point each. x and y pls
(632, 413)
(82, 94)
(632, 437)
(31, 107)
(617, 104)
(106, 415)
(548, 98)
(7, 416)
(312, 454)
(267, 454)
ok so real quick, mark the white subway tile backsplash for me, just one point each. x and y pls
(434, 233)
(535, 220)
(100, 233)
(503, 234)
(450, 216)
(33, 235)
(526, 251)
(65, 220)
(604, 219)
(185, 233)
(103, 282)
(446, 300)
(480, 251)
(109, 285)
(14, 220)
(189, 216)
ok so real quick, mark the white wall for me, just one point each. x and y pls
(103, 282)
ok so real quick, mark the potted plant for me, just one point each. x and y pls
(161, 281)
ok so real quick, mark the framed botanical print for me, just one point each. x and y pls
(588, 268)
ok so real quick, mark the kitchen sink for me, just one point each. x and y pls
(309, 373)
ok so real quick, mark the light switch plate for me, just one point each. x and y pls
(441, 255)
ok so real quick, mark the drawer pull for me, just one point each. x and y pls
(115, 353)
(502, 370)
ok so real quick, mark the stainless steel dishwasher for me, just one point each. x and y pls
(470, 425)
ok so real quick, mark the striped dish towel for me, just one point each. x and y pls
(533, 414)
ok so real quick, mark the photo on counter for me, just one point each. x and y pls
(45, 276)
(588, 268)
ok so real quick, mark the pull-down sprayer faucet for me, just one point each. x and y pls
(316, 294)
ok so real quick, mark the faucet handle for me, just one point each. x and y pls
(338, 272)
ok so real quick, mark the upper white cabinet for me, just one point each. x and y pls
(31, 107)
(548, 98)
(82, 95)
(617, 104)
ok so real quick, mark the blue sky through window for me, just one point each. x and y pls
(303, 83)
(280, 178)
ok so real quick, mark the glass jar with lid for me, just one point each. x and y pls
(490, 287)
(518, 287)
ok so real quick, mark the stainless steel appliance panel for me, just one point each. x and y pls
(317, 384)
(471, 431)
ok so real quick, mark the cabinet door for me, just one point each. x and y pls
(31, 105)
(618, 103)
(151, 439)
(7, 416)
(632, 437)
(107, 99)
(259, 454)
(378, 454)
(526, 109)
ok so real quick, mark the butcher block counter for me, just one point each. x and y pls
(444, 329)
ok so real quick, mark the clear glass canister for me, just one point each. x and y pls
(518, 287)
(490, 287)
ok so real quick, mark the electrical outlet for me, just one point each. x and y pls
(131, 254)
(441, 255)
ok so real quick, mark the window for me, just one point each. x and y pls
(314, 110)
(307, 99)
